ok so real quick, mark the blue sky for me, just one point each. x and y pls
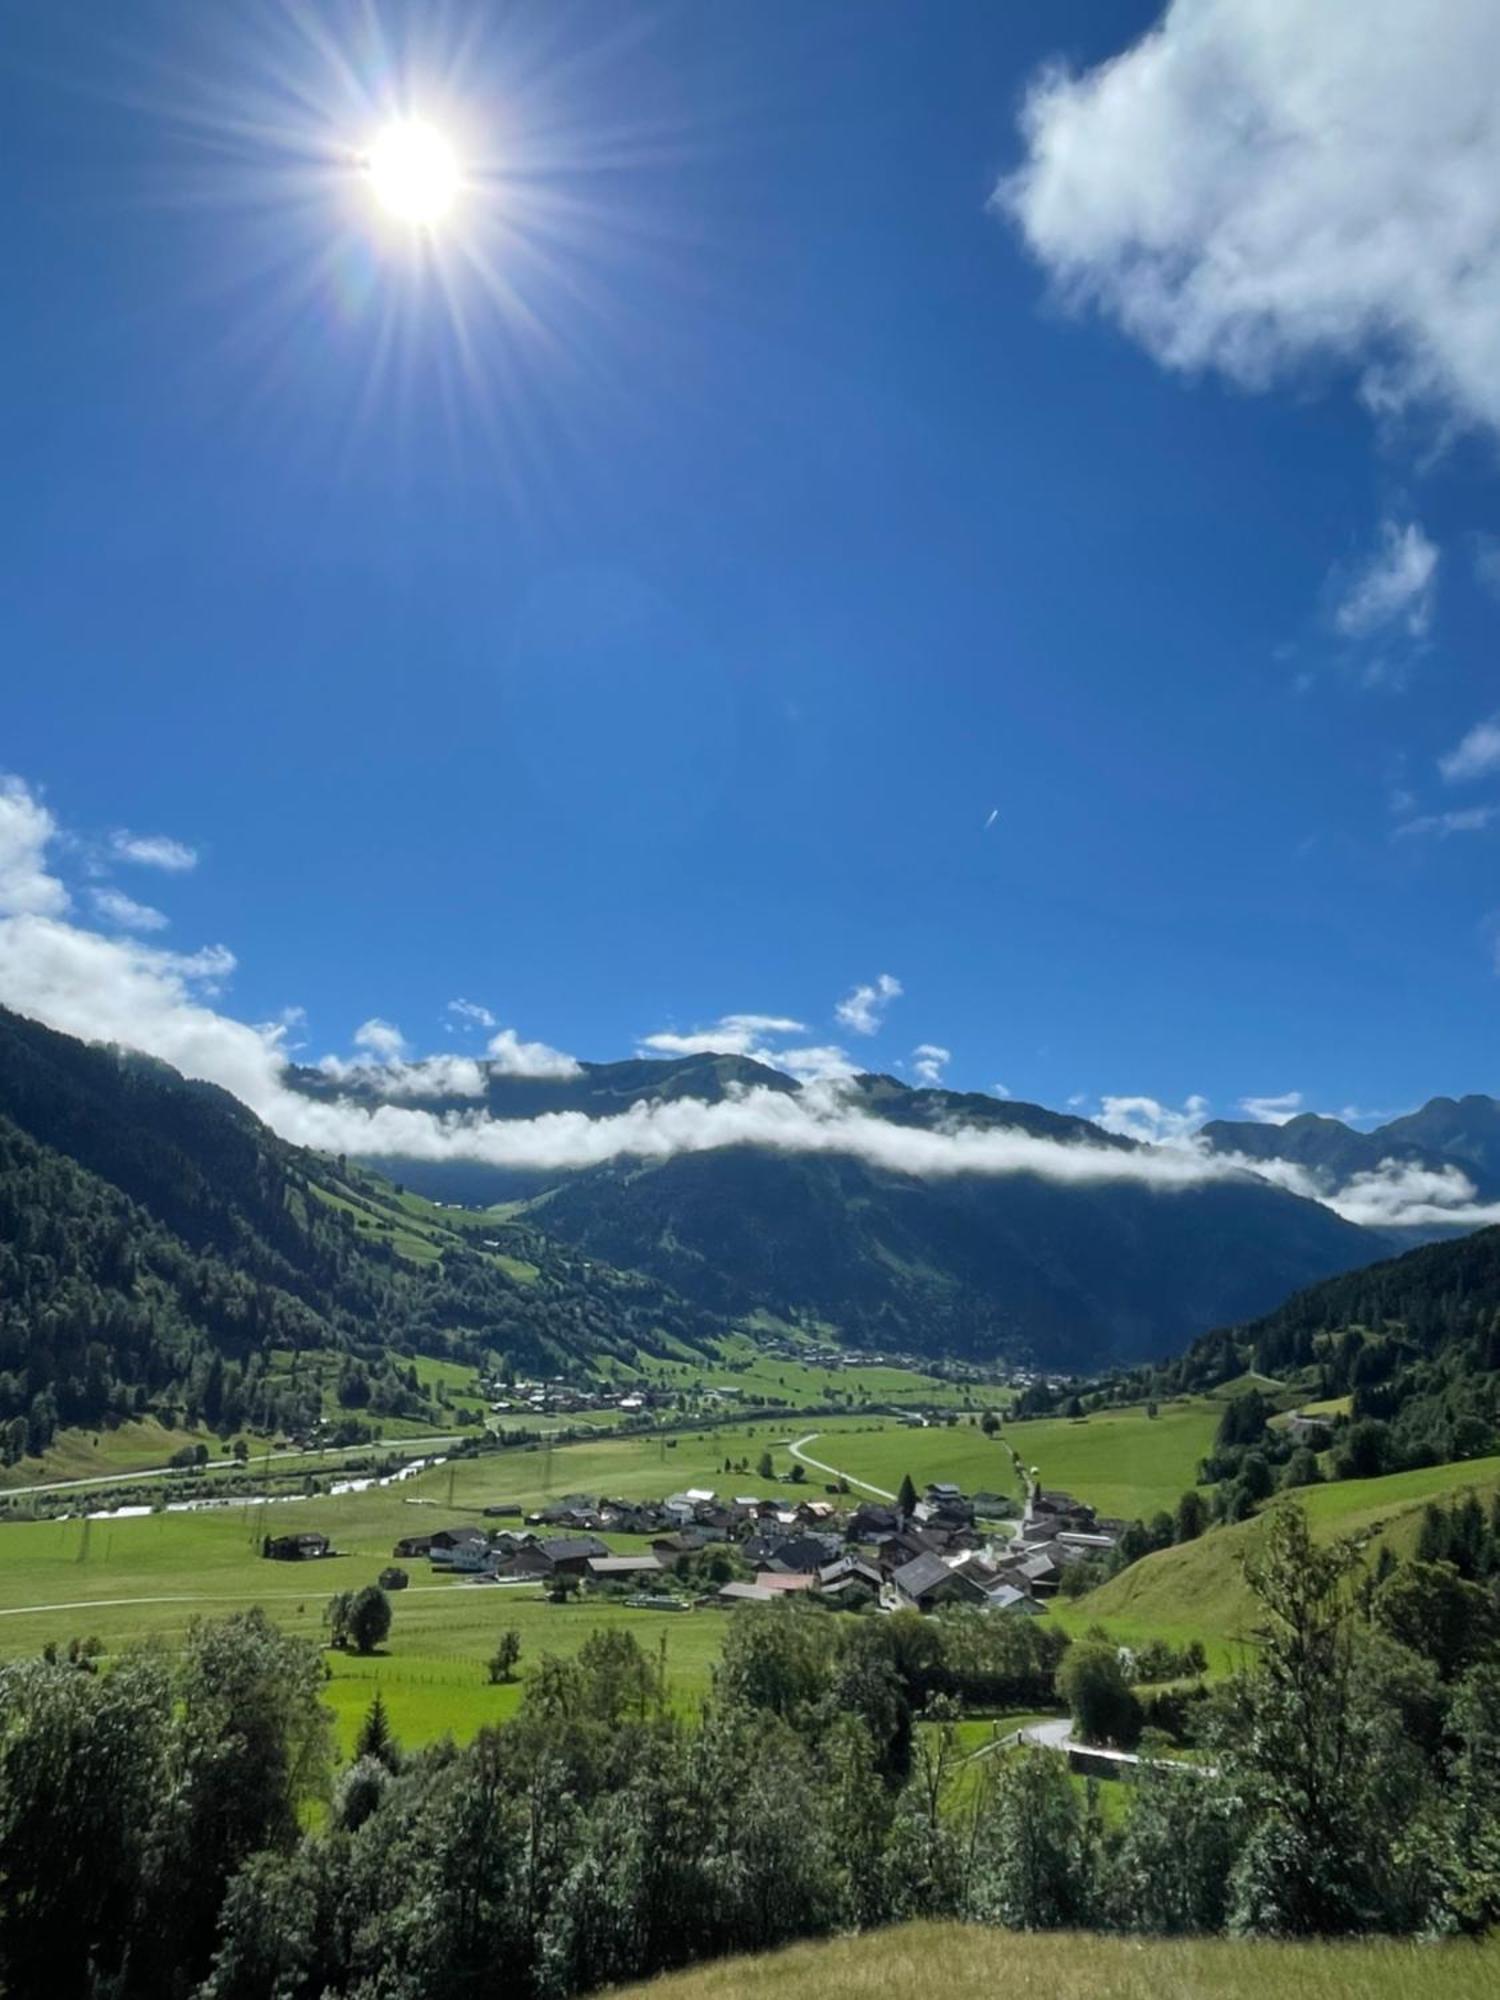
(630, 609)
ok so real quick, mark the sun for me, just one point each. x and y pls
(414, 172)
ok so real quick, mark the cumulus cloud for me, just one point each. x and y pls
(864, 1010)
(1392, 591)
(125, 912)
(1442, 826)
(1259, 184)
(1149, 1122)
(153, 850)
(1400, 1195)
(513, 1057)
(26, 830)
(1476, 755)
(471, 1014)
(929, 1062)
(730, 1035)
(1272, 1110)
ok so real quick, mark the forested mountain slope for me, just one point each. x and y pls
(158, 1243)
(1064, 1274)
(1413, 1341)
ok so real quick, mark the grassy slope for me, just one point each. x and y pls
(968, 1963)
(1198, 1591)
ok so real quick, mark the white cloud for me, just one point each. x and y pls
(1393, 590)
(471, 1014)
(125, 912)
(1272, 1110)
(513, 1057)
(383, 1041)
(1477, 754)
(1400, 1195)
(26, 830)
(1150, 1122)
(1004, 1090)
(929, 1062)
(1440, 826)
(864, 1009)
(1259, 184)
(153, 850)
(730, 1035)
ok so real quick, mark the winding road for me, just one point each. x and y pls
(832, 1470)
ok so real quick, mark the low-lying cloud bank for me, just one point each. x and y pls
(124, 990)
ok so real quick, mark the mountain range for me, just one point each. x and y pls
(1447, 1133)
(1071, 1274)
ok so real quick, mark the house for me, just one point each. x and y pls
(849, 1570)
(929, 1581)
(748, 1593)
(786, 1582)
(413, 1545)
(1042, 1572)
(523, 1561)
(1006, 1597)
(620, 1569)
(871, 1522)
(571, 1555)
(447, 1539)
(295, 1548)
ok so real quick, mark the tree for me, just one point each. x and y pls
(504, 1659)
(765, 1466)
(1192, 1516)
(1294, 1743)
(376, 1738)
(906, 1495)
(369, 1619)
(561, 1586)
(1032, 1862)
(1092, 1682)
(1430, 1608)
(989, 1423)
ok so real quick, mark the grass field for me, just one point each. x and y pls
(965, 1962)
(1122, 1462)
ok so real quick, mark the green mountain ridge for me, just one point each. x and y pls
(1061, 1275)
(158, 1244)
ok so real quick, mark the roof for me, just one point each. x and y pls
(945, 1489)
(925, 1573)
(748, 1593)
(572, 1548)
(1006, 1598)
(622, 1565)
(776, 1582)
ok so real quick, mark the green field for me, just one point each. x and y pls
(965, 1962)
(1122, 1462)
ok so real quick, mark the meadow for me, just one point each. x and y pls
(965, 1962)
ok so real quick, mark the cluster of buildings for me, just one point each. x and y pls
(940, 1552)
(559, 1397)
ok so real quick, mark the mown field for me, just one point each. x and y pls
(964, 1962)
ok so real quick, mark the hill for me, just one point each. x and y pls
(1413, 1341)
(159, 1246)
(1064, 1273)
(965, 1962)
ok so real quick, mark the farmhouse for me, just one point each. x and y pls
(621, 1569)
(929, 1581)
(295, 1548)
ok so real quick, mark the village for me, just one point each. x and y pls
(941, 1548)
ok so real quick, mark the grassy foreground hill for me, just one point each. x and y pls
(965, 1962)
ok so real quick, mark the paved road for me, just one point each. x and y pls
(832, 1470)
